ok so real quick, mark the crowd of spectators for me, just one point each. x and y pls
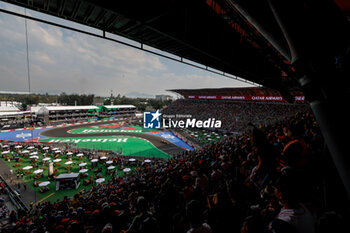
(4, 210)
(266, 180)
(70, 120)
(235, 115)
(6, 124)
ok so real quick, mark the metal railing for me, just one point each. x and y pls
(14, 197)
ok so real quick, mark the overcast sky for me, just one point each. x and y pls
(66, 61)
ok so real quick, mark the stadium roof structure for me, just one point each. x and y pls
(15, 93)
(118, 106)
(7, 114)
(9, 109)
(69, 108)
(9, 103)
(67, 176)
(235, 38)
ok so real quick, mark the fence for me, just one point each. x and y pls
(14, 197)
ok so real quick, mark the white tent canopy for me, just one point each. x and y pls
(45, 183)
(38, 171)
(100, 180)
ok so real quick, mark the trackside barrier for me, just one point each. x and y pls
(189, 141)
(66, 124)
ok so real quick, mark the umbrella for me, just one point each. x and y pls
(5, 152)
(25, 152)
(110, 167)
(103, 157)
(57, 160)
(45, 183)
(34, 153)
(5, 146)
(68, 163)
(132, 160)
(30, 147)
(109, 162)
(94, 160)
(46, 159)
(147, 161)
(27, 167)
(100, 180)
(19, 146)
(58, 151)
(55, 148)
(38, 171)
(69, 153)
(82, 164)
(34, 157)
(46, 148)
(126, 169)
(83, 170)
(80, 154)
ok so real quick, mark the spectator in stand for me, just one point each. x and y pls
(143, 221)
(195, 212)
(295, 152)
(265, 170)
(75, 202)
(252, 224)
(202, 183)
(235, 115)
(294, 216)
(210, 182)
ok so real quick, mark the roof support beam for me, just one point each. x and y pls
(314, 54)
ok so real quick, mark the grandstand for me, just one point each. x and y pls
(11, 116)
(59, 114)
(244, 94)
(236, 107)
(118, 110)
(53, 115)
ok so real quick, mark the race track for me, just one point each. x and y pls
(62, 132)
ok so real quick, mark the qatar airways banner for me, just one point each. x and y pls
(247, 98)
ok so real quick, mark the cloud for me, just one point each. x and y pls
(66, 61)
(51, 36)
(42, 57)
(113, 56)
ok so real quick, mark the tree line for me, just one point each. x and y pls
(61, 99)
(140, 103)
(74, 99)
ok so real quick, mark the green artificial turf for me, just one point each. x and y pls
(129, 146)
(58, 195)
